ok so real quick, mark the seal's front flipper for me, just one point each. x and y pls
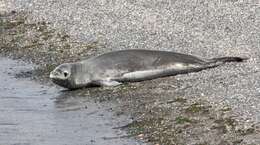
(109, 83)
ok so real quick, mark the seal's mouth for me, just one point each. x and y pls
(60, 82)
(65, 84)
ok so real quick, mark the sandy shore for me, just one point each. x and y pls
(216, 106)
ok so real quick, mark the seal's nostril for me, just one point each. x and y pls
(51, 75)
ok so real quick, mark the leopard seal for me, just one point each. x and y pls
(117, 67)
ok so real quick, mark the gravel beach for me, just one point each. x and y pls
(214, 106)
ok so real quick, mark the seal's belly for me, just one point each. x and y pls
(160, 71)
(143, 75)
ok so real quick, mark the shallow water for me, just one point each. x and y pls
(32, 114)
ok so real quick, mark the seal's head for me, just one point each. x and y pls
(62, 75)
(71, 75)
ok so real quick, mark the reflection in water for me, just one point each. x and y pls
(72, 100)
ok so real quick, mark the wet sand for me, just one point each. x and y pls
(34, 114)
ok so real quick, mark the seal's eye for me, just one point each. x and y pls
(65, 74)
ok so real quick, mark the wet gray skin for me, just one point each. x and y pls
(114, 68)
(34, 114)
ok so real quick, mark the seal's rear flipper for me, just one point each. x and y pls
(228, 59)
(214, 62)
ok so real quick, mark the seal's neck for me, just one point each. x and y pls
(80, 75)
